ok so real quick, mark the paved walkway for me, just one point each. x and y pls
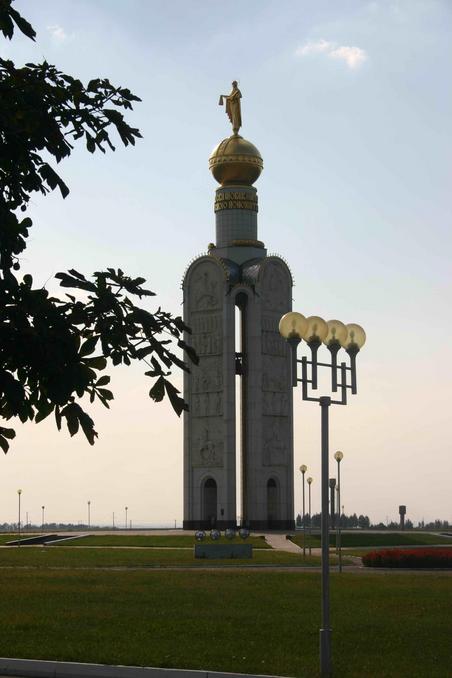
(280, 543)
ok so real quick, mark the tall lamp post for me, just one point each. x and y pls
(314, 330)
(126, 508)
(89, 514)
(332, 502)
(19, 492)
(42, 522)
(339, 456)
(310, 481)
(303, 469)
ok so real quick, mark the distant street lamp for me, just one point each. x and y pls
(89, 514)
(402, 513)
(335, 335)
(310, 481)
(19, 492)
(332, 502)
(113, 520)
(42, 523)
(339, 456)
(127, 508)
(303, 469)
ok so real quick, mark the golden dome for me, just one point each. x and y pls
(236, 161)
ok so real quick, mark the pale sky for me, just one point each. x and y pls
(349, 103)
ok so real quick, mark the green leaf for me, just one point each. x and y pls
(98, 363)
(103, 381)
(157, 392)
(43, 411)
(89, 346)
(7, 432)
(23, 25)
(90, 143)
(108, 395)
(87, 425)
(53, 179)
(72, 423)
(177, 403)
(190, 351)
(58, 417)
(4, 444)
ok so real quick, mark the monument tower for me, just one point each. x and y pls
(234, 297)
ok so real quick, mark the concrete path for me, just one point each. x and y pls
(280, 543)
(35, 668)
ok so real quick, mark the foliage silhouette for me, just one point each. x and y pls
(52, 350)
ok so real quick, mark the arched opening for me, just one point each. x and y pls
(210, 502)
(272, 502)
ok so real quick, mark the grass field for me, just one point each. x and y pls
(395, 626)
(356, 539)
(159, 541)
(31, 556)
(7, 537)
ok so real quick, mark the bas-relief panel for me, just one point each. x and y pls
(205, 297)
(207, 376)
(207, 443)
(276, 404)
(276, 387)
(205, 287)
(207, 404)
(275, 288)
(276, 437)
(274, 373)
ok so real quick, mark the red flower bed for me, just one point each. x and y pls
(419, 557)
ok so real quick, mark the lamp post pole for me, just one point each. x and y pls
(42, 521)
(314, 330)
(339, 456)
(332, 483)
(309, 481)
(303, 469)
(19, 492)
(126, 508)
(89, 514)
(325, 631)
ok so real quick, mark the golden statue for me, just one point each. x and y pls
(233, 109)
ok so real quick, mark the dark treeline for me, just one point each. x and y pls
(363, 522)
(49, 527)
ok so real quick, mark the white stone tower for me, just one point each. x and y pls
(237, 273)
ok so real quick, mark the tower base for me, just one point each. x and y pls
(253, 525)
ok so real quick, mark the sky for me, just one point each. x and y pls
(349, 103)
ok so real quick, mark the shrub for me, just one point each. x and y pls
(412, 558)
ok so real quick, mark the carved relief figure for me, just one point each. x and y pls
(208, 449)
(275, 288)
(273, 344)
(275, 375)
(207, 344)
(207, 405)
(276, 404)
(275, 450)
(205, 291)
(207, 378)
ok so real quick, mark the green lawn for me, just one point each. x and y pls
(351, 539)
(160, 541)
(384, 626)
(107, 557)
(5, 537)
